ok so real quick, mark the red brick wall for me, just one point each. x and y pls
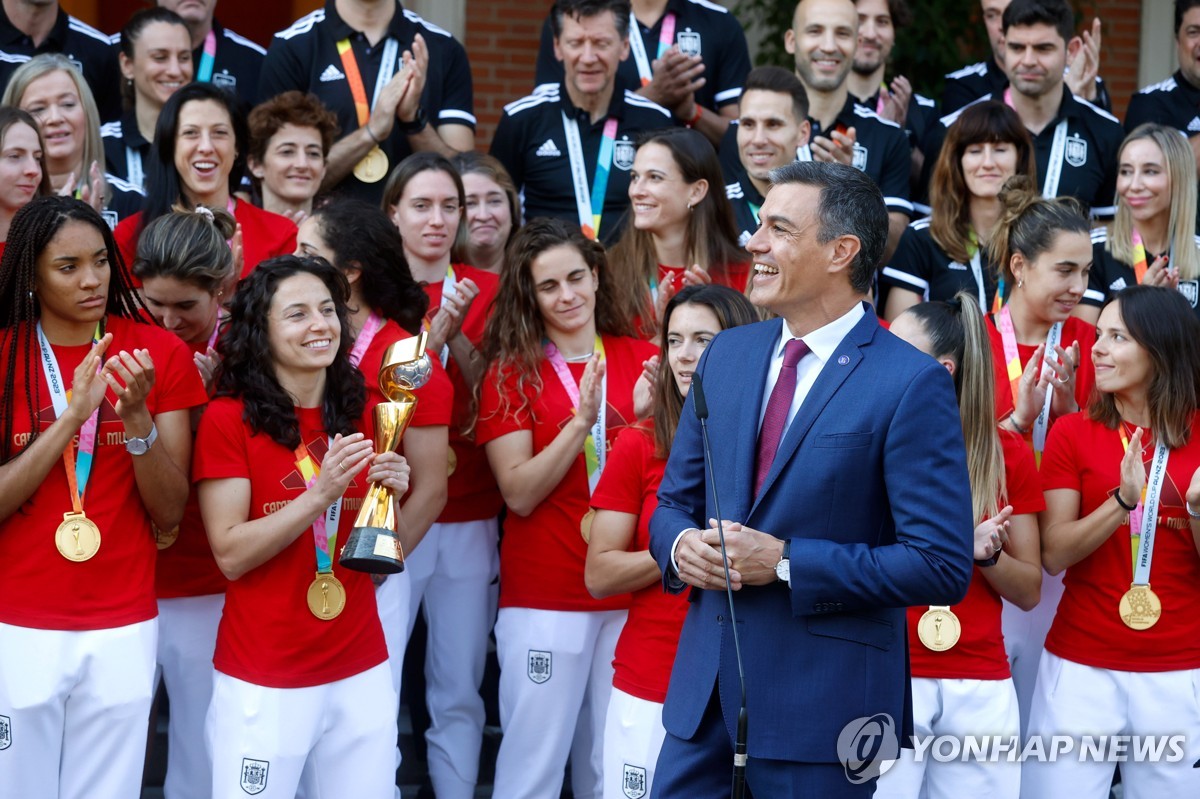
(1122, 29)
(502, 42)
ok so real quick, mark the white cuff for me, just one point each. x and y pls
(675, 546)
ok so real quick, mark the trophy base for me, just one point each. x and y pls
(374, 550)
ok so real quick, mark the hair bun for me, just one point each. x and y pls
(219, 218)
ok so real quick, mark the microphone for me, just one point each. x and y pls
(740, 758)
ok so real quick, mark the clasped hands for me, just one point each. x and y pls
(752, 556)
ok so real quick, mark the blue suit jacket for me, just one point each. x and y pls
(870, 485)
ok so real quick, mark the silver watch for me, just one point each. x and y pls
(140, 446)
(783, 569)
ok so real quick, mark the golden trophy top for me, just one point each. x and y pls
(405, 367)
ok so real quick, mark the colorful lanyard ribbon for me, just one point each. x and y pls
(1012, 359)
(998, 300)
(79, 470)
(1143, 519)
(447, 291)
(207, 58)
(591, 209)
(324, 527)
(133, 167)
(666, 38)
(593, 445)
(358, 90)
(1139, 256)
(365, 337)
(977, 269)
(881, 99)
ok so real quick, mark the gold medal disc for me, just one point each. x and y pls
(326, 597)
(77, 538)
(452, 463)
(373, 167)
(939, 629)
(163, 539)
(585, 524)
(1140, 607)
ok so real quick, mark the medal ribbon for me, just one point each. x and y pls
(447, 290)
(977, 270)
(79, 470)
(591, 209)
(1012, 360)
(207, 58)
(365, 337)
(1057, 151)
(666, 38)
(593, 445)
(133, 167)
(880, 104)
(1149, 521)
(1139, 256)
(358, 90)
(324, 527)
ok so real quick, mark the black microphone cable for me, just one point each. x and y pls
(740, 757)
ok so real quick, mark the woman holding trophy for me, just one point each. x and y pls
(282, 463)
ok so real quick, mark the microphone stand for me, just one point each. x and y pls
(740, 757)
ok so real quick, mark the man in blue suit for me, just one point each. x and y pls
(842, 476)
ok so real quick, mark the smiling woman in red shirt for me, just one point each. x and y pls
(960, 674)
(618, 560)
(94, 449)
(559, 388)
(1123, 519)
(282, 465)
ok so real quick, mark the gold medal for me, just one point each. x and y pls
(1140, 607)
(326, 597)
(585, 525)
(452, 463)
(165, 539)
(77, 538)
(939, 628)
(373, 167)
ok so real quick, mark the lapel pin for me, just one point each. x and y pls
(843, 360)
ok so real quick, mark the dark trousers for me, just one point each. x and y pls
(702, 768)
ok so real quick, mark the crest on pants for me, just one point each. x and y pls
(539, 666)
(254, 775)
(633, 782)
(5, 732)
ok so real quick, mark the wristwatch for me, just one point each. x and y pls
(783, 569)
(414, 126)
(140, 446)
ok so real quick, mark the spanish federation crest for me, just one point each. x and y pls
(689, 42)
(254, 775)
(224, 80)
(1188, 288)
(1076, 152)
(5, 732)
(860, 157)
(623, 152)
(633, 782)
(540, 664)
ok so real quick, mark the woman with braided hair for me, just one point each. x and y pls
(94, 453)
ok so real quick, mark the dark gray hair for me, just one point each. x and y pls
(850, 204)
(579, 9)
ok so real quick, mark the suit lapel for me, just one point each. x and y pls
(751, 371)
(841, 364)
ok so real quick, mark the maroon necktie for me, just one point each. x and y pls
(775, 419)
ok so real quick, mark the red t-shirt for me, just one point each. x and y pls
(1085, 456)
(264, 235)
(267, 635)
(473, 493)
(542, 555)
(1074, 329)
(646, 649)
(116, 587)
(187, 567)
(979, 653)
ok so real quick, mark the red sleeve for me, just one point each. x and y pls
(220, 450)
(495, 418)
(621, 485)
(1060, 461)
(1021, 478)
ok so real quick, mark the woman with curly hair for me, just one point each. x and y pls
(683, 231)
(94, 453)
(559, 387)
(282, 464)
(948, 252)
